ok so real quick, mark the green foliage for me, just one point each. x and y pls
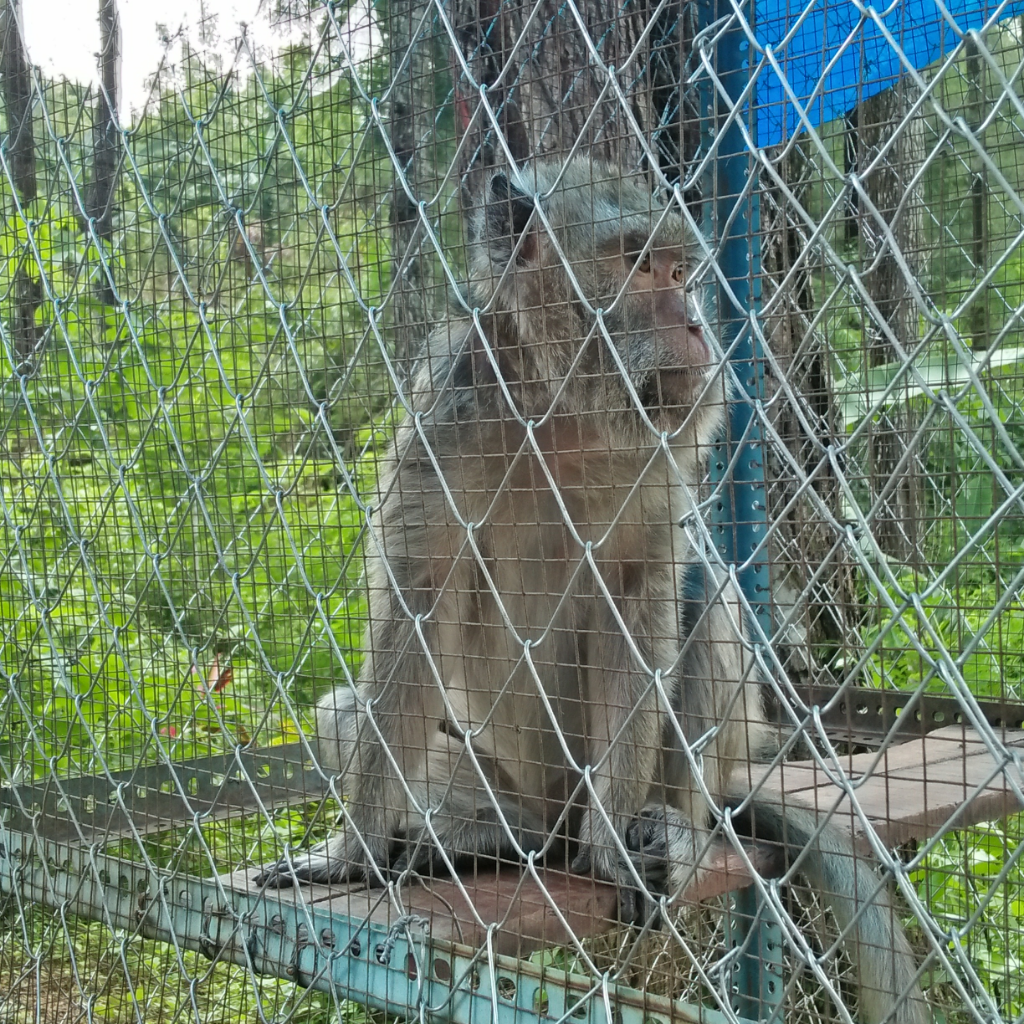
(141, 566)
(960, 610)
(973, 884)
(960, 605)
(180, 493)
(182, 483)
(907, 644)
(219, 846)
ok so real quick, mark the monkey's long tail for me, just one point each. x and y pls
(885, 965)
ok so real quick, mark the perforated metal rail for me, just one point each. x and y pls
(362, 944)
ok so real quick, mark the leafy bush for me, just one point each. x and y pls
(906, 645)
(973, 884)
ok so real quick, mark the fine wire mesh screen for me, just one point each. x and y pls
(469, 369)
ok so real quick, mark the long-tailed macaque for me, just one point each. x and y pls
(548, 664)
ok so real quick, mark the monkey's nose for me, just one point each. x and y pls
(683, 347)
(697, 344)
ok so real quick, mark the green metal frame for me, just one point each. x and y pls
(400, 970)
(753, 929)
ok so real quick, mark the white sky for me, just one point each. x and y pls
(63, 37)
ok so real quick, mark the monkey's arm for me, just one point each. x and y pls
(624, 733)
(720, 706)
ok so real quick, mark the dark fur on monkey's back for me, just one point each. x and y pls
(544, 641)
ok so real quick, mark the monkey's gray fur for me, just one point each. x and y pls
(542, 643)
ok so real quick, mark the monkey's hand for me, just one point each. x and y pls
(665, 847)
(661, 846)
(342, 858)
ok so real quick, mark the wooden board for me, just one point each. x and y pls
(945, 779)
(521, 912)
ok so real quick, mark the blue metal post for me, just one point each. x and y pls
(756, 983)
(741, 515)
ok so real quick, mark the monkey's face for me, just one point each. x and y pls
(654, 324)
(595, 275)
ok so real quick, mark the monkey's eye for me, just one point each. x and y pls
(679, 273)
(643, 265)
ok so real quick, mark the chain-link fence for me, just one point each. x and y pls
(572, 398)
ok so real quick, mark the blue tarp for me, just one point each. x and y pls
(866, 63)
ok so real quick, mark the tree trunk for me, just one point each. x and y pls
(851, 144)
(16, 82)
(547, 94)
(813, 577)
(17, 95)
(977, 84)
(417, 282)
(99, 193)
(893, 210)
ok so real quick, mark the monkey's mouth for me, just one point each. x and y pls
(671, 388)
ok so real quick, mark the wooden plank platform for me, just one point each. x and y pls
(907, 791)
(910, 790)
(518, 910)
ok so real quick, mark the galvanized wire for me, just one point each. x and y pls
(197, 405)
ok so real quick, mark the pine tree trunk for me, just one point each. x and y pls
(547, 94)
(813, 577)
(891, 270)
(977, 76)
(106, 154)
(16, 80)
(417, 282)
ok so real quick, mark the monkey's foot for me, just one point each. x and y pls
(661, 846)
(325, 864)
(665, 849)
(638, 904)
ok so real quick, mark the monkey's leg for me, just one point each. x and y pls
(474, 810)
(360, 850)
(623, 728)
(468, 832)
(362, 743)
(716, 696)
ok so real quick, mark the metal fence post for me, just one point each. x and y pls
(756, 984)
(740, 517)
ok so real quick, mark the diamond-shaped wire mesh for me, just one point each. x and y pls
(333, 365)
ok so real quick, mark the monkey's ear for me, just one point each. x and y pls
(508, 213)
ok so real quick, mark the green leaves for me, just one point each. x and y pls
(974, 887)
(174, 505)
(954, 626)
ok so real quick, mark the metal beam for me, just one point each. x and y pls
(737, 465)
(754, 932)
(398, 969)
(158, 796)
